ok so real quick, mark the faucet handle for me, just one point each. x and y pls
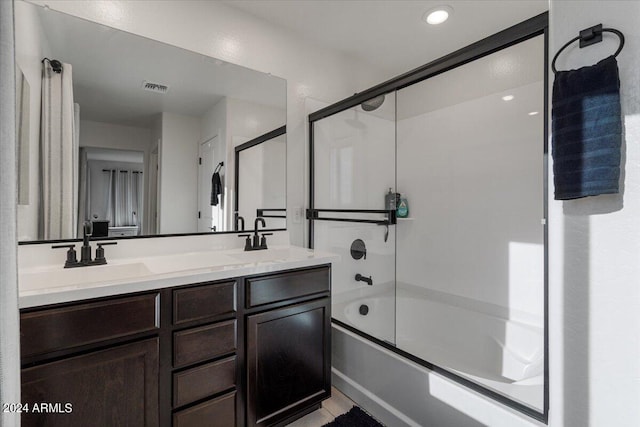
(100, 259)
(247, 242)
(72, 259)
(263, 241)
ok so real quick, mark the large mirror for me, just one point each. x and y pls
(134, 135)
(261, 181)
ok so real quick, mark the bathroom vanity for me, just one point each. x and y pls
(250, 347)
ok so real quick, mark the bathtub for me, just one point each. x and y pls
(468, 338)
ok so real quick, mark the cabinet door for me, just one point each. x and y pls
(288, 361)
(113, 387)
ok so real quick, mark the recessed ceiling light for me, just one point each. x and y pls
(507, 97)
(438, 15)
(533, 113)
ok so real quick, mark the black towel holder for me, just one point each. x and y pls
(587, 37)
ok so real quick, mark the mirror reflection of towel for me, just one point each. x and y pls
(216, 188)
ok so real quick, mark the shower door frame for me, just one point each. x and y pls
(528, 29)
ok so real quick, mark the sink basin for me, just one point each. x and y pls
(55, 278)
(267, 255)
(189, 261)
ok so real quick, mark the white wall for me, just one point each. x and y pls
(214, 123)
(118, 137)
(595, 249)
(179, 173)
(31, 46)
(9, 319)
(213, 29)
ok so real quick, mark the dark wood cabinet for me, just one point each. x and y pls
(250, 351)
(204, 362)
(288, 361)
(113, 387)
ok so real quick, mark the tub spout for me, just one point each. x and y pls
(367, 280)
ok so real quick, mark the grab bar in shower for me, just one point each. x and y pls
(314, 214)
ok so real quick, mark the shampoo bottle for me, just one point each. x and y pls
(391, 200)
(403, 208)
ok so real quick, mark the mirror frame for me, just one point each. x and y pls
(236, 194)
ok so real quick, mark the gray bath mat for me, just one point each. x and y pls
(356, 417)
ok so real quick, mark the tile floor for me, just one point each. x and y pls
(338, 404)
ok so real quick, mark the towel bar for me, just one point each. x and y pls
(587, 37)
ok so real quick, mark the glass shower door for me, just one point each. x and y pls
(354, 168)
(470, 263)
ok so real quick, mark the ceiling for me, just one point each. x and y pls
(390, 34)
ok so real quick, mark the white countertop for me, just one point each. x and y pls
(55, 284)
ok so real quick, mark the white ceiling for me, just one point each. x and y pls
(110, 65)
(390, 34)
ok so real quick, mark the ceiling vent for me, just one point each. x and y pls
(155, 87)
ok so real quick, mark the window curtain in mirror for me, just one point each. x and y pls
(9, 333)
(124, 198)
(58, 155)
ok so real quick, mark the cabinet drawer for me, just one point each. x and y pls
(280, 287)
(220, 412)
(206, 380)
(206, 342)
(56, 329)
(203, 302)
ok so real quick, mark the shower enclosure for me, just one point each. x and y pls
(458, 285)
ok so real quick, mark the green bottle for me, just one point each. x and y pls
(403, 208)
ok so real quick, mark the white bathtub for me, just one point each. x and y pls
(465, 337)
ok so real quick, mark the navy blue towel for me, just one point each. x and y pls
(587, 131)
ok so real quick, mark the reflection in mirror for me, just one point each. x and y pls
(128, 132)
(261, 181)
(23, 108)
(111, 191)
